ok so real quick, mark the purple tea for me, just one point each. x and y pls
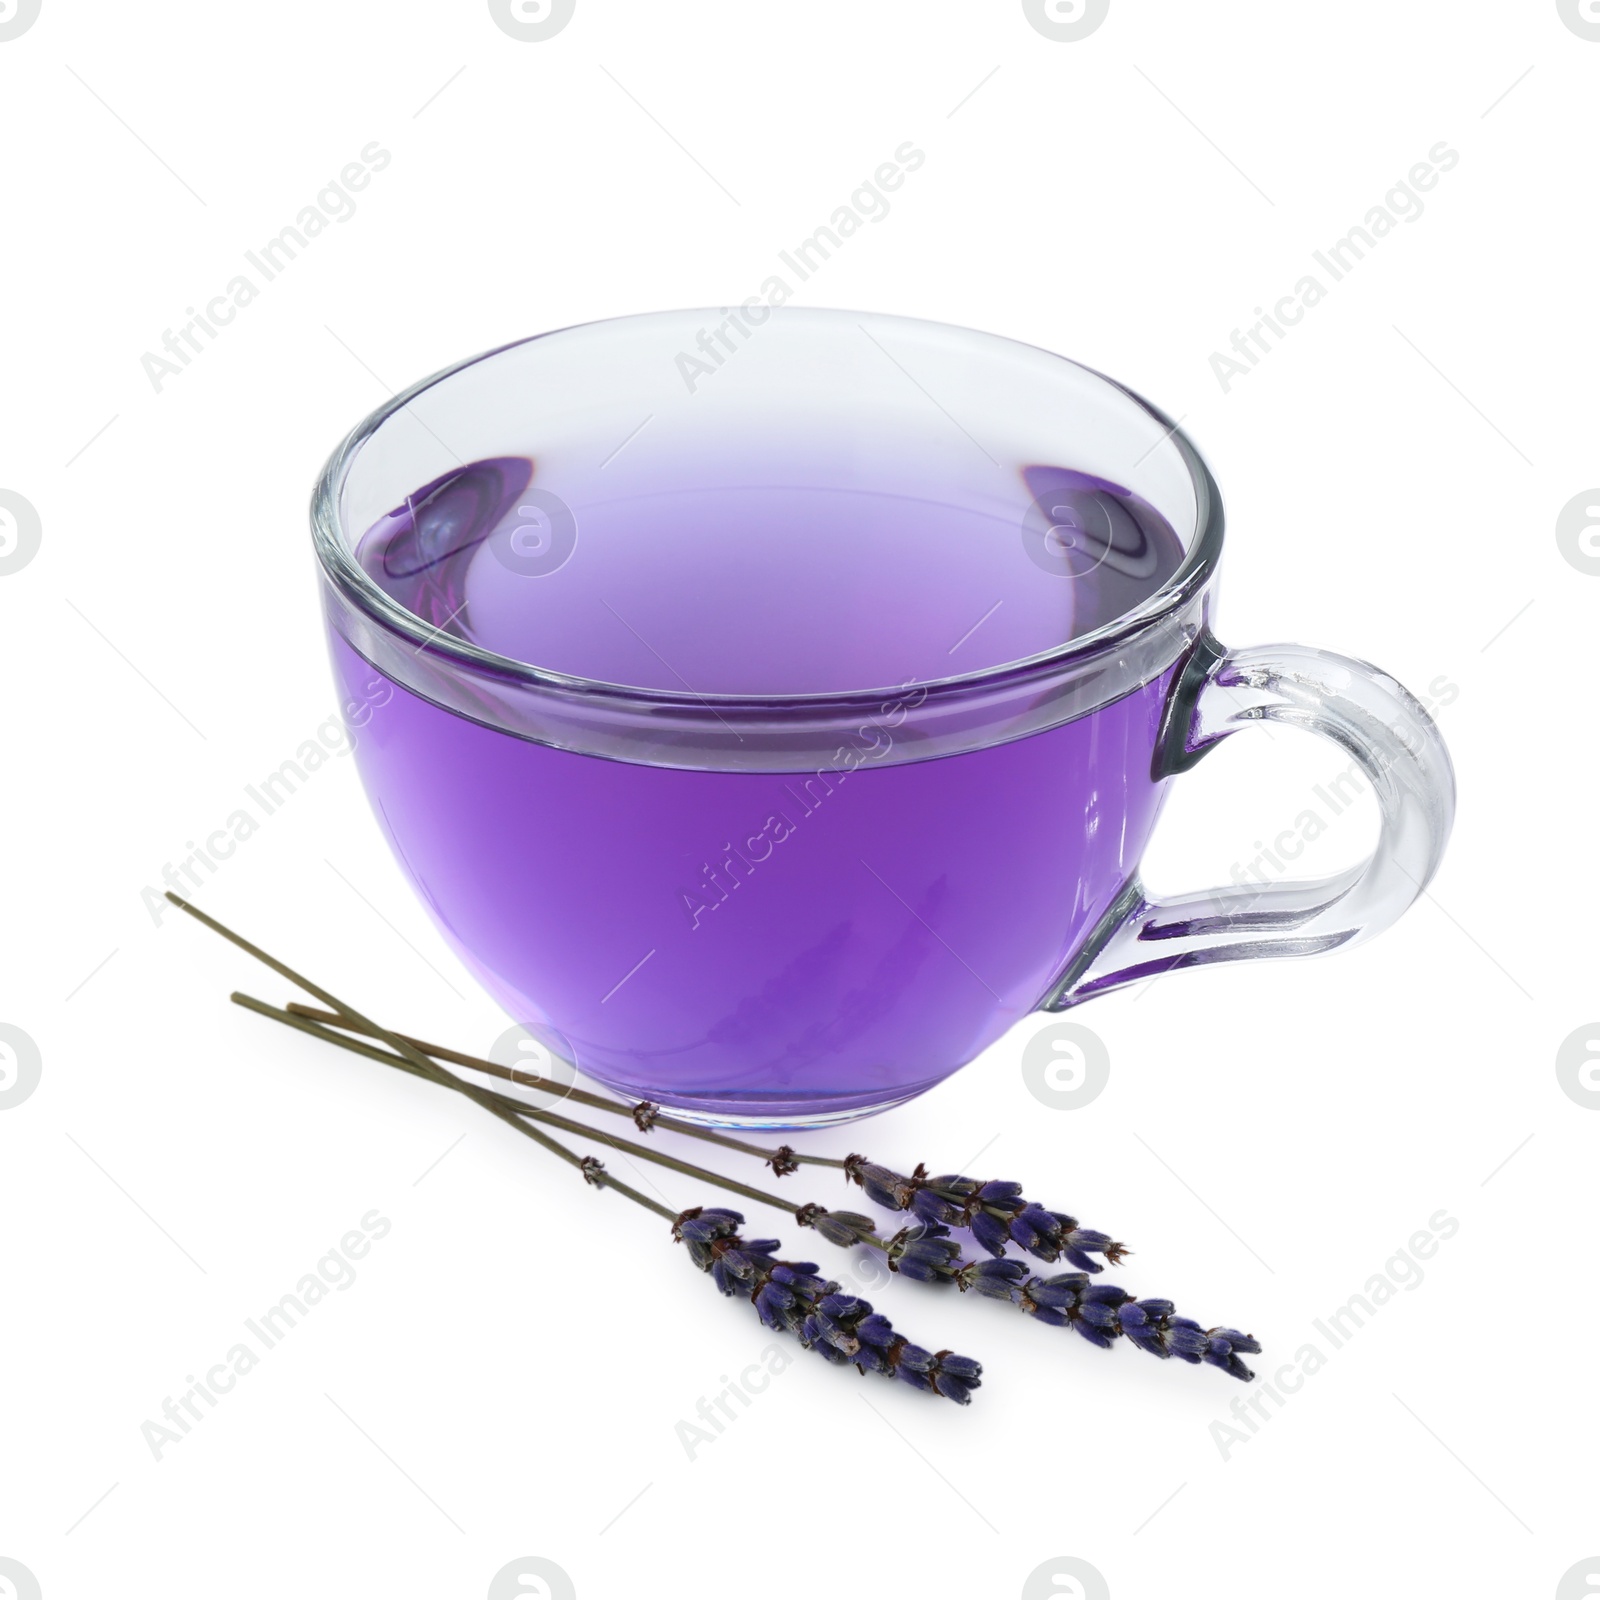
(771, 945)
(768, 744)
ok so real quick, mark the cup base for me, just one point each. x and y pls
(745, 1113)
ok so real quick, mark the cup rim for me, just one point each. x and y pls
(358, 588)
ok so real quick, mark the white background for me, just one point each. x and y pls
(506, 1376)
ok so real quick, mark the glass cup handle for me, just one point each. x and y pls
(1369, 716)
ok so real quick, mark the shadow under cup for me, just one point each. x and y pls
(765, 706)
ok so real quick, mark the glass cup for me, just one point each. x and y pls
(772, 706)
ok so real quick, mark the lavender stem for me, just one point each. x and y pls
(924, 1252)
(511, 1111)
(645, 1113)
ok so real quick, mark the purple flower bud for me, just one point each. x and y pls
(884, 1187)
(996, 1280)
(1102, 1317)
(1102, 1313)
(738, 1263)
(789, 1296)
(990, 1232)
(915, 1357)
(773, 1304)
(705, 1223)
(1185, 1339)
(924, 1253)
(1221, 1347)
(1063, 1290)
(1240, 1341)
(1095, 1336)
(930, 1207)
(811, 1337)
(996, 1212)
(843, 1228)
(1029, 1238)
(876, 1330)
(954, 1388)
(838, 1304)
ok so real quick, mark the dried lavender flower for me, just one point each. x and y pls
(844, 1327)
(925, 1253)
(995, 1213)
(790, 1297)
(1103, 1313)
(843, 1228)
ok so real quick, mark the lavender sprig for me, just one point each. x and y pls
(923, 1251)
(995, 1213)
(790, 1297)
(1103, 1313)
